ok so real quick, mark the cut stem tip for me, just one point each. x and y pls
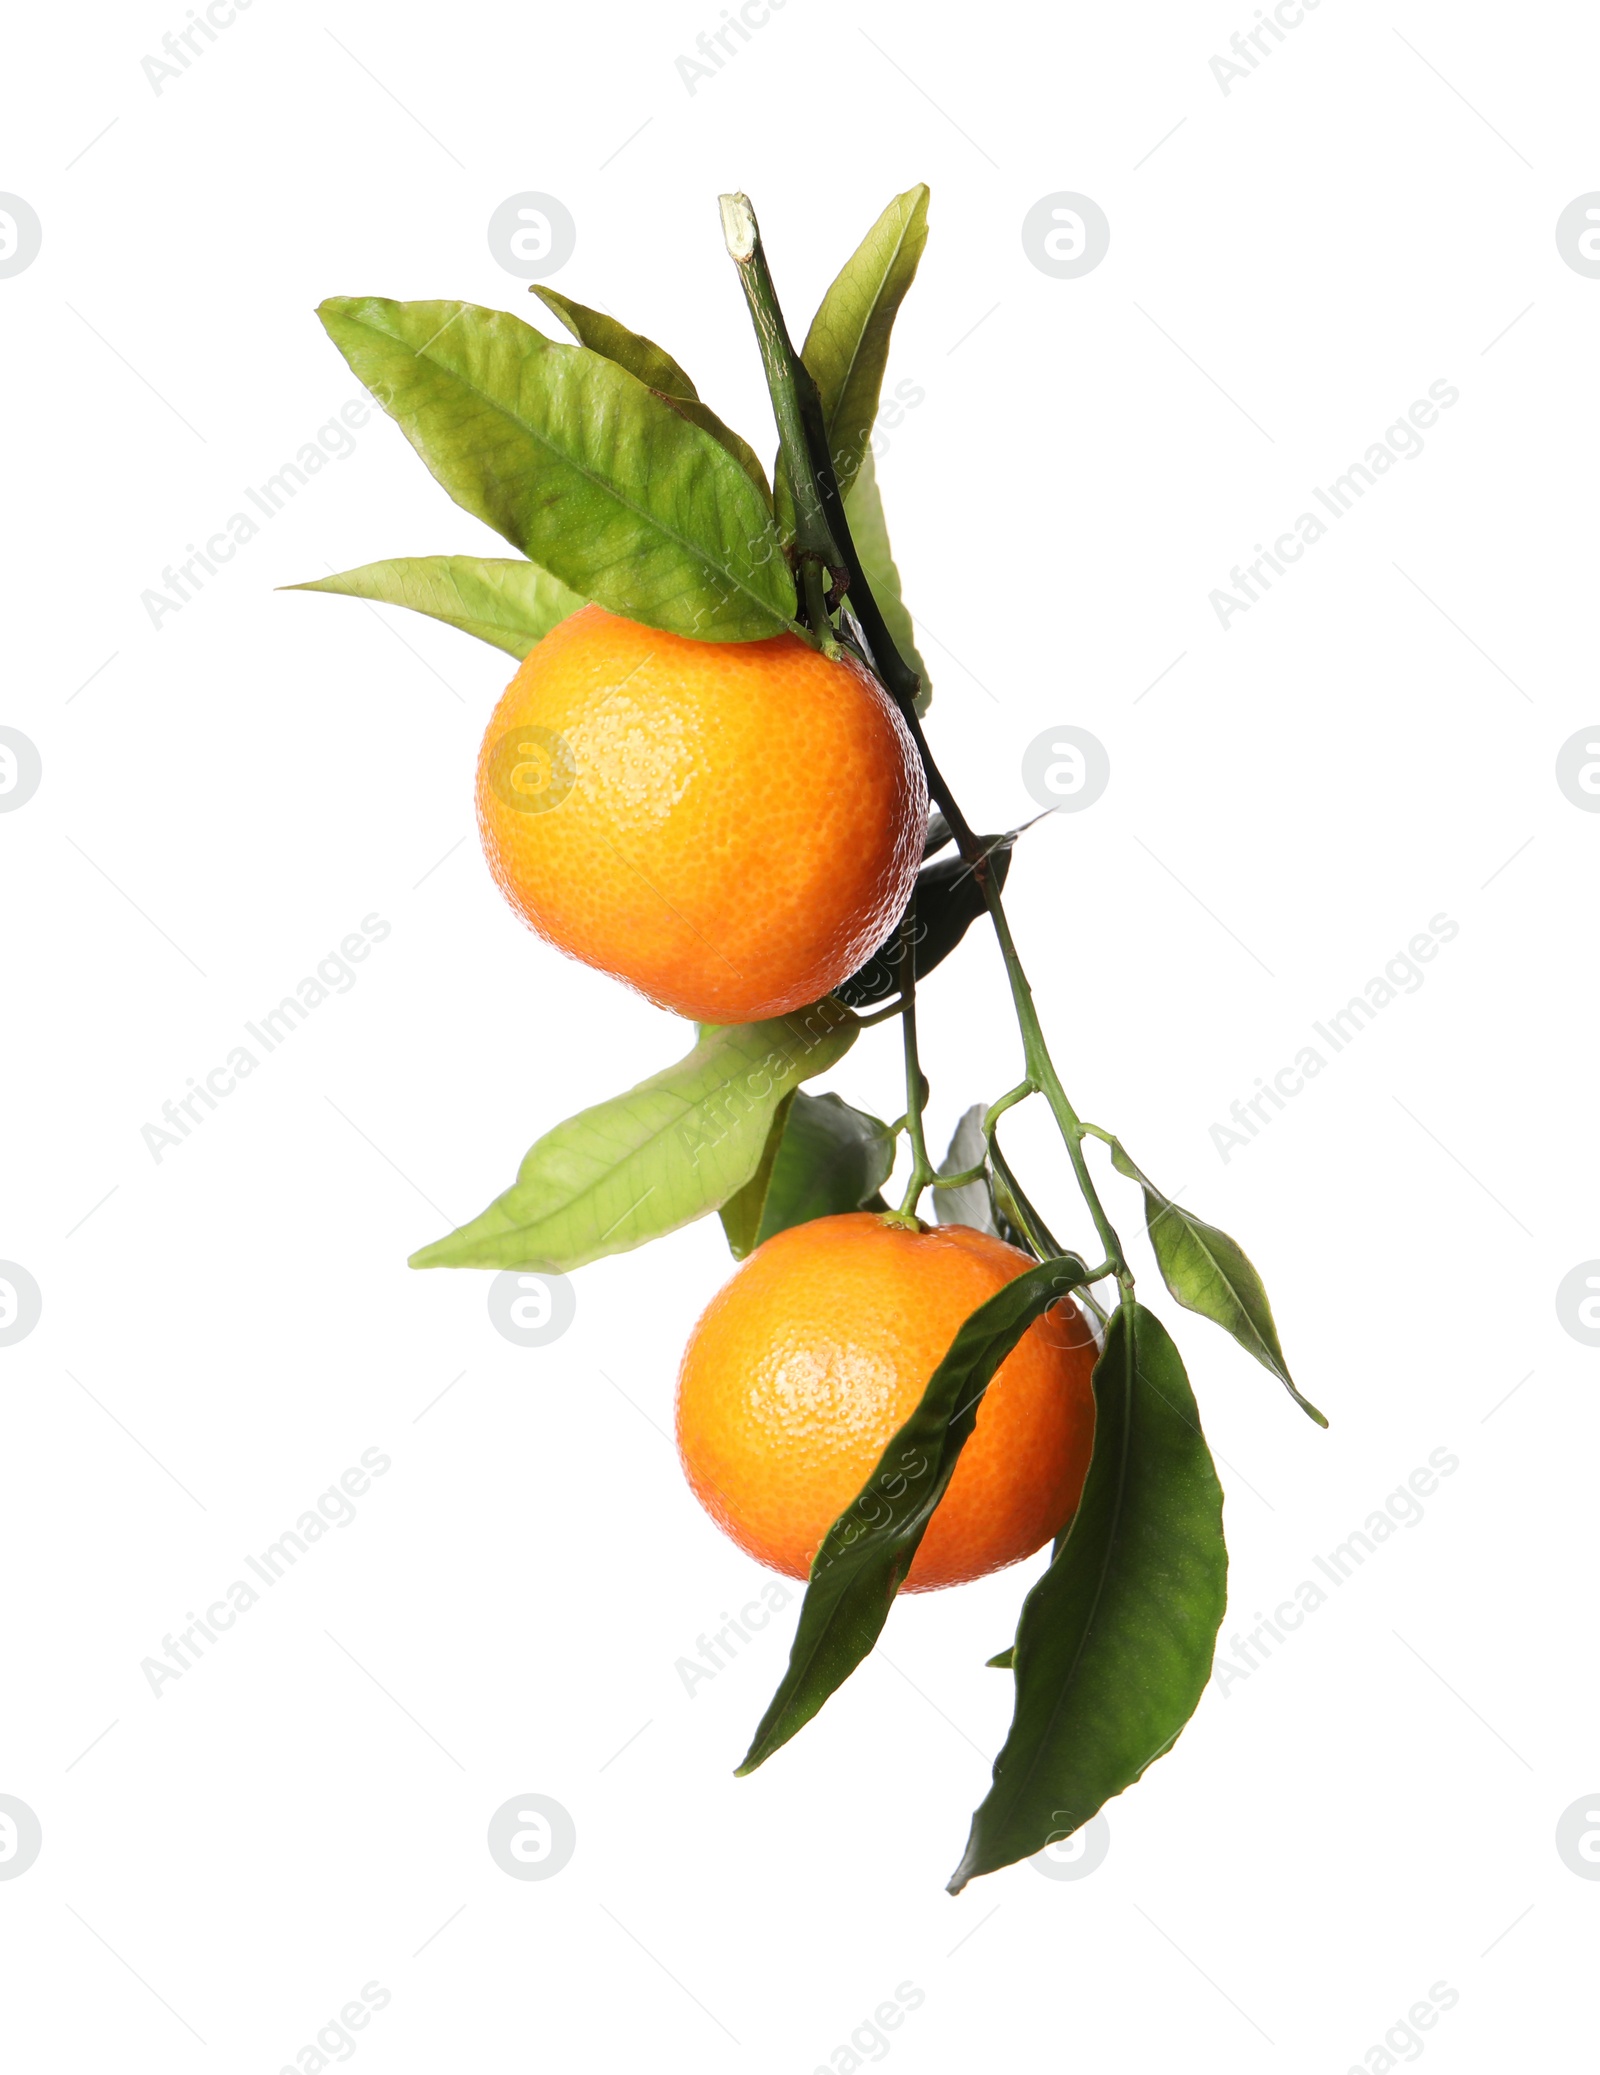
(738, 226)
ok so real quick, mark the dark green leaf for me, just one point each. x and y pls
(644, 1163)
(741, 1214)
(833, 1159)
(939, 835)
(1012, 1222)
(867, 1552)
(847, 347)
(509, 604)
(658, 371)
(581, 466)
(869, 529)
(822, 1158)
(949, 900)
(1210, 1273)
(1115, 1643)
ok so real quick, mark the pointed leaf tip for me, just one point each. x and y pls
(1210, 1273)
(1115, 1644)
(587, 471)
(647, 1162)
(866, 1554)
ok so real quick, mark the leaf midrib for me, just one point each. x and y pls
(1025, 1777)
(634, 1152)
(794, 1671)
(551, 345)
(855, 351)
(1266, 1357)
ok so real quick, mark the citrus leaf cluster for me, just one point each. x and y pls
(601, 463)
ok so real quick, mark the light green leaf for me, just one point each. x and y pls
(863, 510)
(578, 464)
(679, 1145)
(509, 604)
(658, 371)
(741, 1214)
(653, 365)
(1212, 1274)
(847, 347)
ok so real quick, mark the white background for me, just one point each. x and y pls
(1370, 1813)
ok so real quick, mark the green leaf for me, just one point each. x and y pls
(846, 351)
(867, 1552)
(655, 367)
(1115, 1643)
(985, 1204)
(869, 529)
(509, 604)
(1212, 1274)
(970, 1204)
(679, 1145)
(949, 900)
(833, 1159)
(578, 463)
(741, 1214)
(822, 1157)
(1003, 1660)
(847, 347)
(658, 371)
(939, 835)
(1009, 1221)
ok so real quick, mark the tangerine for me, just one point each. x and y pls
(820, 1346)
(733, 828)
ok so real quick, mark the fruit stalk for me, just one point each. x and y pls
(1042, 1074)
(823, 533)
(916, 1086)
